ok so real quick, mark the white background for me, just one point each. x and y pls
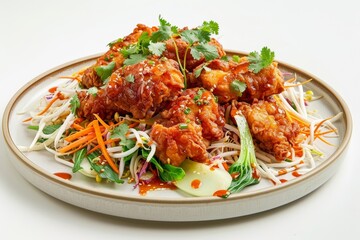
(321, 37)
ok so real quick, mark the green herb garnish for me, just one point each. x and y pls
(74, 104)
(105, 71)
(78, 158)
(260, 61)
(238, 87)
(93, 91)
(120, 133)
(130, 78)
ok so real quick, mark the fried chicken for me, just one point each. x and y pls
(141, 89)
(182, 47)
(192, 121)
(218, 76)
(271, 129)
(90, 78)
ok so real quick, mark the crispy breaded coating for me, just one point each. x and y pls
(141, 89)
(90, 78)
(174, 144)
(270, 128)
(188, 126)
(218, 76)
(182, 46)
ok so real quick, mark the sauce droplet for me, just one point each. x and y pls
(63, 175)
(221, 193)
(281, 180)
(296, 174)
(155, 184)
(196, 183)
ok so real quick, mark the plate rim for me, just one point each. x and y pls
(186, 200)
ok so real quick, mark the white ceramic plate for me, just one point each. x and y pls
(165, 205)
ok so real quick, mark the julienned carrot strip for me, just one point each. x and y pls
(77, 126)
(134, 125)
(48, 105)
(27, 119)
(101, 143)
(323, 140)
(111, 140)
(298, 84)
(320, 123)
(76, 143)
(294, 117)
(81, 146)
(79, 134)
(101, 121)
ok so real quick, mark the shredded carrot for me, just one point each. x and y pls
(71, 77)
(48, 105)
(291, 80)
(77, 143)
(323, 140)
(111, 140)
(27, 119)
(133, 125)
(81, 146)
(298, 84)
(78, 120)
(102, 121)
(100, 141)
(77, 126)
(79, 134)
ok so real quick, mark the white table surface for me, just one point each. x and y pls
(321, 37)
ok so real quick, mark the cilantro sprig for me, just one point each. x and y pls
(198, 44)
(260, 61)
(74, 104)
(105, 71)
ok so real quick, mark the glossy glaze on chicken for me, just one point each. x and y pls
(186, 121)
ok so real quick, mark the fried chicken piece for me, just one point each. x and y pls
(270, 128)
(186, 129)
(141, 89)
(191, 63)
(176, 143)
(219, 76)
(90, 78)
(196, 105)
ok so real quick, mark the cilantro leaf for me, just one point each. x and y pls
(112, 43)
(211, 27)
(157, 48)
(93, 91)
(74, 104)
(165, 31)
(130, 78)
(127, 51)
(237, 87)
(260, 61)
(189, 36)
(208, 51)
(134, 58)
(105, 71)
(143, 43)
(120, 133)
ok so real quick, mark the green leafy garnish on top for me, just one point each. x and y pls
(120, 133)
(260, 61)
(74, 104)
(105, 71)
(198, 44)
